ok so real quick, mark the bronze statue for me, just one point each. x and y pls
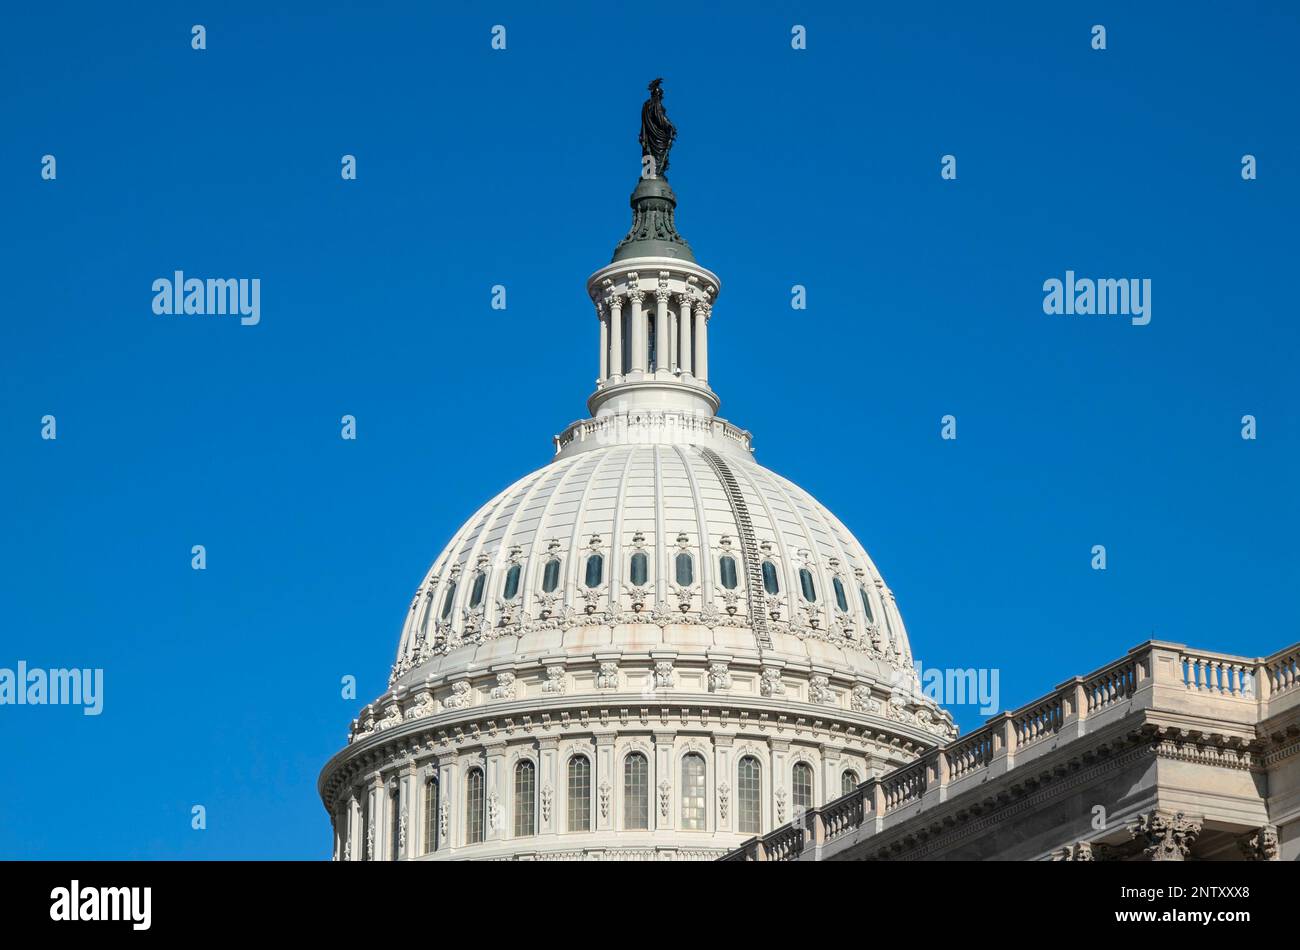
(657, 133)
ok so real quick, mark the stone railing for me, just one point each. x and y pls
(1154, 675)
(652, 427)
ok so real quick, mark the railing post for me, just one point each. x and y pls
(875, 792)
(1004, 743)
(1263, 684)
(1074, 703)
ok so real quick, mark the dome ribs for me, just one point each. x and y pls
(748, 544)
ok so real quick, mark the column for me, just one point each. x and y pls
(604, 341)
(661, 327)
(352, 850)
(702, 313)
(614, 309)
(640, 343)
(725, 799)
(684, 336)
(392, 818)
(604, 776)
(547, 776)
(661, 796)
(494, 790)
(673, 363)
(448, 813)
(781, 809)
(374, 819)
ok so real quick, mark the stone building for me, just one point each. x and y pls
(1166, 754)
(653, 647)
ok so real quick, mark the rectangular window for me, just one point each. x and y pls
(636, 793)
(525, 799)
(749, 805)
(474, 806)
(430, 817)
(693, 793)
(579, 793)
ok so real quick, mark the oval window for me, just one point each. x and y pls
(512, 583)
(866, 605)
(640, 568)
(806, 583)
(685, 570)
(727, 571)
(476, 592)
(769, 578)
(446, 601)
(595, 570)
(551, 575)
(840, 600)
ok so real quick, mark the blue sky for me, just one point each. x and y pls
(816, 167)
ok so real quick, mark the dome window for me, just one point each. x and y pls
(446, 601)
(685, 570)
(551, 575)
(749, 799)
(579, 793)
(848, 781)
(640, 569)
(840, 600)
(727, 571)
(806, 584)
(694, 792)
(801, 785)
(595, 570)
(769, 579)
(866, 605)
(476, 592)
(474, 817)
(511, 589)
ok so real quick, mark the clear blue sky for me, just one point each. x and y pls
(476, 167)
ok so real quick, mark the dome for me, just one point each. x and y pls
(651, 648)
(638, 548)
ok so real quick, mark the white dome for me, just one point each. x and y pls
(651, 648)
(661, 500)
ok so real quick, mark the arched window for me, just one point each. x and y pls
(579, 793)
(474, 806)
(769, 579)
(636, 793)
(693, 792)
(446, 601)
(727, 571)
(685, 570)
(511, 588)
(866, 605)
(595, 569)
(841, 601)
(430, 816)
(476, 592)
(640, 569)
(801, 785)
(848, 781)
(749, 801)
(806, 585)
(551, 575)
(525, 799)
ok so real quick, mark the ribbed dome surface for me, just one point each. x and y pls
(661, 501)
